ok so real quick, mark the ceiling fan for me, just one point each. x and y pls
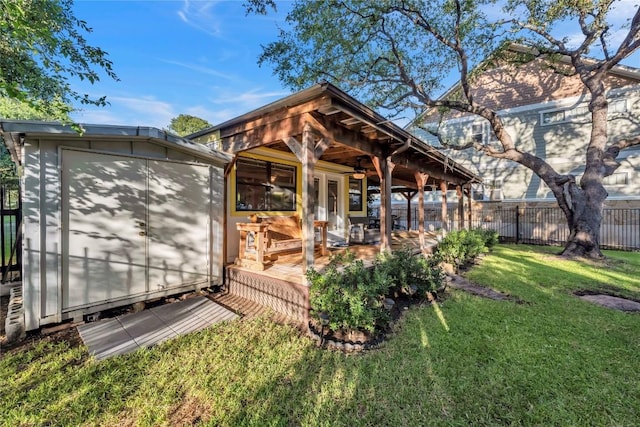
(359, 172)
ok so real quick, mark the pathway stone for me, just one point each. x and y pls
(459, 282)
(610, 301)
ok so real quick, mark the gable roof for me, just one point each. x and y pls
(504, 85)
(13, 131)
(353, 128)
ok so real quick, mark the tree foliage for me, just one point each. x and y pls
(185, 124)
(42, 50)
(394, 54)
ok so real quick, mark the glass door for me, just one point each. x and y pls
(333, 204)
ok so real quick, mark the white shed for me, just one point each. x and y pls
(114, 215)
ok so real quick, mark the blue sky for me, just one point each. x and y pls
(192, 57)
(179, 57)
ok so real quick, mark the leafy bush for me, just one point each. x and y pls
(462, 246)
(350, 294)
(412, 274)
(491, 237)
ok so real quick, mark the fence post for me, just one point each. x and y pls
(517, 224)
(2, 236)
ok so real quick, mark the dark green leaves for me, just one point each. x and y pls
(42, 48)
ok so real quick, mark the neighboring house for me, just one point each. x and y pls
(546, 113)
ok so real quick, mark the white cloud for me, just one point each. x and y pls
(622, 10)
(200, 69)
(199, 15)
(253, 97)
(143, 111)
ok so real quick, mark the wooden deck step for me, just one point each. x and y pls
(248, 309)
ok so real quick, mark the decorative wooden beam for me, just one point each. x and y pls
(258, 137)
(229, 167)
(333, 131)
(275, 117)
(432, 170)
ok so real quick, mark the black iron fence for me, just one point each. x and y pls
(10, 232)
(620, 228)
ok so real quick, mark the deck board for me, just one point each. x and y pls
(281, 285)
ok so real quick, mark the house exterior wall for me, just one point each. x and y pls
(335, 171)
(546, 115)
(43, 223)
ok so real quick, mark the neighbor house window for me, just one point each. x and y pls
(265, 186)
(355, 194)
(579, 113)
(478, 133)
(619, 178)
(617, 106)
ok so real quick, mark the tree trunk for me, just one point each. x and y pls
(587, 202)
(584, 223)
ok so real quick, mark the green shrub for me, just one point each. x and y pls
(411, 274)
(491, 237)
(462, 246)
(350, 294)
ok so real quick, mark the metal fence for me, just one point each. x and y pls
(10, 232)
(620, 228)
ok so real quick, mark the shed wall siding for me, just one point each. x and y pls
(42, 283)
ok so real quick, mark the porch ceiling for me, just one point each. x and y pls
(353, 132)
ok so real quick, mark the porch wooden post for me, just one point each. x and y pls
(421, 181)
(308, 163)
(460, 195)
(469, 200)
(384, 166)
(308, 154)
(445, 222)
(408, 195)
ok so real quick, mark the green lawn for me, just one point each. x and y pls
(554, 360)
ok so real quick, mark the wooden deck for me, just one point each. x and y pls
(281, 285)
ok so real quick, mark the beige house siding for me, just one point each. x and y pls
(562, 143)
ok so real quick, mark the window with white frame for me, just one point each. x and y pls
(617, 106)
(578, 113)
(619, 178)
(477, 133)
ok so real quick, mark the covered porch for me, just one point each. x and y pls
(300, 173)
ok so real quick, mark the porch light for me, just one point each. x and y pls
(358, 175)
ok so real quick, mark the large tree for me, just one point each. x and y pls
(42, 50)
(186, 124)
(395, 54)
